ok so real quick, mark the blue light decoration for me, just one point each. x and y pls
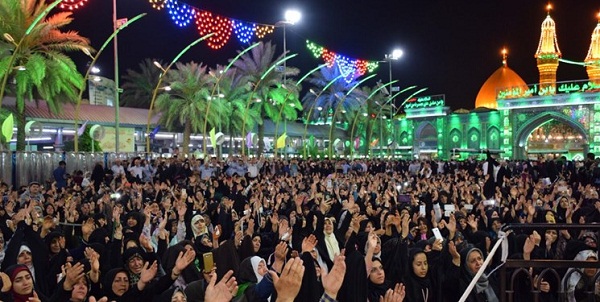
(181, 14)
(244, 31)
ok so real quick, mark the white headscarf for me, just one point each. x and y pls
(255, 261)
(25, 248)
(196, 230)
(576, 276)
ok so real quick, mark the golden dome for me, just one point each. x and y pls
(502, 78)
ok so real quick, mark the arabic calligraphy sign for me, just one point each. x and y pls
(537, 89)
(422, 102)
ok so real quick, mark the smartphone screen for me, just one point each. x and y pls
(422, 210)
(208, 262)
(437, 234)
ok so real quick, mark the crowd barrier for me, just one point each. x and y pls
(20, 168)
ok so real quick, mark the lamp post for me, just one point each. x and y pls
(291, 17)
(116, 61)
(395, 55)
(93, 69)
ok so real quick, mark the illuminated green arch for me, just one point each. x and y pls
(533, 123)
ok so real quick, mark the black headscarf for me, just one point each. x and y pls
(377, 290)
(191, 272)
(417, 288)
(108, 281)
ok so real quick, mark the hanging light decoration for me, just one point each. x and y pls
(72, 4)
(244, 31)
(181, 14)
(157, 4)
(221, 28)
(349, 68)
(263, 30)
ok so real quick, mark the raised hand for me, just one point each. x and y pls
(223, 291)
(148, 273)
(288, 284)
(372, 241)
(183, 260)
(73, 274)
(145, 243)
(394, 295)
(281, 251)
(332, 281)
(93, 299)
(6, 283)
(309, 243)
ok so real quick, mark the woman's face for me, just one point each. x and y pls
(423, 226)
(200, 224)
(474, 261)
(55, 245)
(590, 272)
(377, 274)
(178, 297)
(369, 227)
(80, 291)
(131, 222)
(256, 244)
(136, 264)
(24, 258)
(420, 265)
(120, 284)
(328, 227)
(550, 236)
(23, 283)
(262, 268)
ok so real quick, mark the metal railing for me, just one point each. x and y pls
(20, 168)
(518, 267)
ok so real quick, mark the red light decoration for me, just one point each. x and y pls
(220, 26)
(72, 4)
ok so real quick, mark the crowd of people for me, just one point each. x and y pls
(254, 229)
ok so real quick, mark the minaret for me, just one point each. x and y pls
(547, 55)
(592, 60)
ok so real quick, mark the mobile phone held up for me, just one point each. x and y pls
(208, 262)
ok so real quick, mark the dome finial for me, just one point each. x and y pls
(598, 17)
(549, 8)
(504, 57)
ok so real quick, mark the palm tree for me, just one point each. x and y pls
(233, 86)
(257, 66)
(329, 99)
(138, 86)
(366, 119)
(185, 105)
(45, 71)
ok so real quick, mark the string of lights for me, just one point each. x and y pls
(350, 68)
(208, 22)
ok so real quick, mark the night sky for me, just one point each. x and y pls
(450, 46)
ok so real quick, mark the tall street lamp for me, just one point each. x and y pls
(394, 56)
(291, 17)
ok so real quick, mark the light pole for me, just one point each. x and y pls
(395, 55)
(291, 17)
(116, 60)
(93, 69)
